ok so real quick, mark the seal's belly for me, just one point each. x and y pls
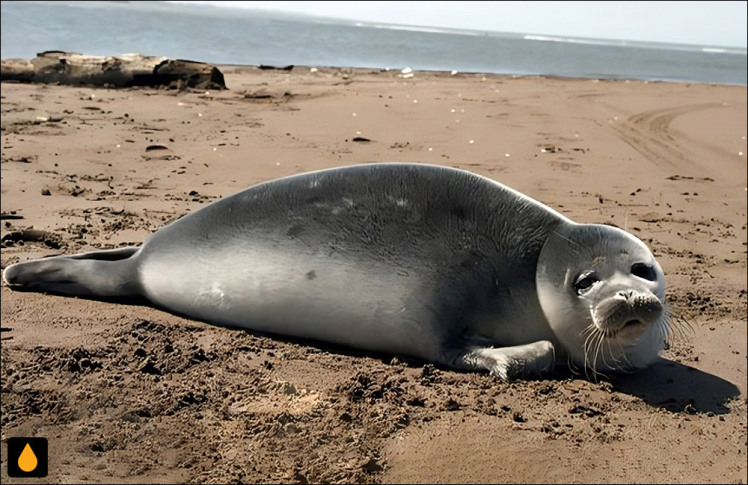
(301, 293)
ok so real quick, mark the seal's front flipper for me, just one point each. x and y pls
(506, 363)
(111, 273)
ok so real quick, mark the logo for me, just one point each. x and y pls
(27, 457)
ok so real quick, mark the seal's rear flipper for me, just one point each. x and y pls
(111, 273)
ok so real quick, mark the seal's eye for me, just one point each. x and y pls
(644, 271)
(585, 281)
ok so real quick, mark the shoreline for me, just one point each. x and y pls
(290, 66)
(446, 72)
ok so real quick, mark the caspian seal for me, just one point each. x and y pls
(411, 259)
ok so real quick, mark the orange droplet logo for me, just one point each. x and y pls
(27, 460)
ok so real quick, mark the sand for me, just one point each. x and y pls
(128, 394)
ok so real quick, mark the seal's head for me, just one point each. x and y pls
(603, 294)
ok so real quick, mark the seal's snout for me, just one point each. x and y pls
(637, 301)
(627, 309)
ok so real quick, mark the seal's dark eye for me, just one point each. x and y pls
(585, 281)
(644, 271)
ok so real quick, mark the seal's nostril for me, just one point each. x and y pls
(626, 294)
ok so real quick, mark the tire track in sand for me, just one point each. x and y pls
(649, 134)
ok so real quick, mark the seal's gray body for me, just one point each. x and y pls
(387, 258)
(411, 259)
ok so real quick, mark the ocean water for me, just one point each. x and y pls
(233, 36)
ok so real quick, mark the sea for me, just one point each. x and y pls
(234, 36)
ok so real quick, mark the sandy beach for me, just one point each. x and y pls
(130, 394)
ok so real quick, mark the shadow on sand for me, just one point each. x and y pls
(666, 384)
(678, 388)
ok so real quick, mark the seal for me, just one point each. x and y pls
(409, 259)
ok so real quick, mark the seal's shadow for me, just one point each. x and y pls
(677, 388)
(665, 384)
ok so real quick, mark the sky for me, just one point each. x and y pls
(702, 23)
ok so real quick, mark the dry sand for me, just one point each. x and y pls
(127, 393)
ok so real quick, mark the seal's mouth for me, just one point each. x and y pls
(626, 330)
(632, 323)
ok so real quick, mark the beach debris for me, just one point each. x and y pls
(261, 94)
(21, 159)
(47, 119)
(49, 239)
(159, 152)
(284, 68)
(685, 177)
(70, 68)
(406, 73)
(360, 139)
(9, 215)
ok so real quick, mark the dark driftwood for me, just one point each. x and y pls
(127, 70)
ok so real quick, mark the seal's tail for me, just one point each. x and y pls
(111, 273)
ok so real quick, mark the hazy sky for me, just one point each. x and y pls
(702, 23)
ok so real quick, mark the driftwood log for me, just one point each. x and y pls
(126, 70)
